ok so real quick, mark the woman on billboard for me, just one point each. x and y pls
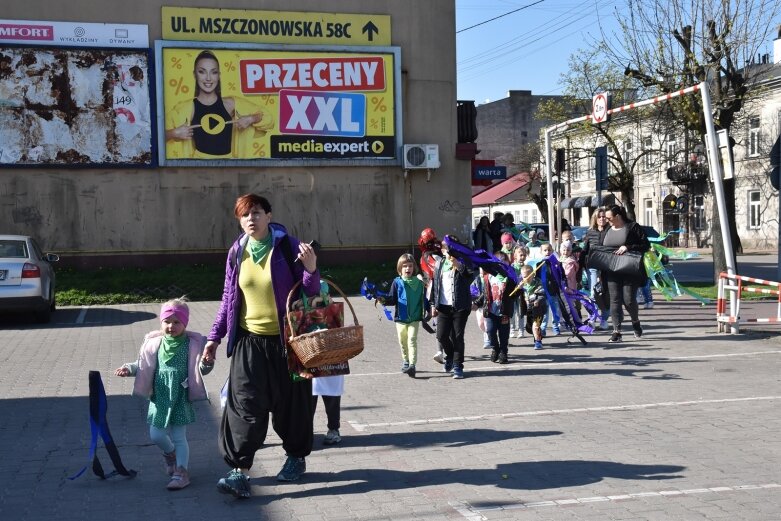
(209, 125)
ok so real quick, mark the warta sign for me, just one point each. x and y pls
(74, 34)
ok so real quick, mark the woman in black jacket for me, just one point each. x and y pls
(595, 235)
(451, 303)
(481, 236)
(624, 236)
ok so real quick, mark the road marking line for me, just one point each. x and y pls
(628, 361)
(361, 427)
(471, 513)
(82, 314)
(467, 511)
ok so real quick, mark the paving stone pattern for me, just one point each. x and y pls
(681, 424)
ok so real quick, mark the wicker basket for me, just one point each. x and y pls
(325, 346)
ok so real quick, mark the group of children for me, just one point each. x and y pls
(169, 371)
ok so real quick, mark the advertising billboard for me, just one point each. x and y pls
(75, 106)
(227, 103)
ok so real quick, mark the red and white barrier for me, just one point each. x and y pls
(735, 286)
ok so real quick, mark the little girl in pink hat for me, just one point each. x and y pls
(169, 373)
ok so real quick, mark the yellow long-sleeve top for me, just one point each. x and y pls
(258, 308)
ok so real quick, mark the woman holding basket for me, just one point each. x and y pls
(260, 271)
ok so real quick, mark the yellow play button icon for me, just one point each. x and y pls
(212, 124)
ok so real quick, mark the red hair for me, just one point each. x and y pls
(245, 203)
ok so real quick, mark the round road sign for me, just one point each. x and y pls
(599, 108)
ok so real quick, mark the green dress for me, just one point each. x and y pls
(169, 404)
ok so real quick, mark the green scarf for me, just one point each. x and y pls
(501, 278)
(447, 265)
(259, 249)
(170, 345)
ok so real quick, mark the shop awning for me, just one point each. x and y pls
(566, 203)
(580, 202)
(607, 199)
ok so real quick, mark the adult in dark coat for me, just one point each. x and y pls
(496, 230)
(595, 235)
(625, 236)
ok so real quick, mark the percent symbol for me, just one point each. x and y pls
(179, 86)
(177, 62)
(268, 100)
(230, 66)
(259, 149)
(379, 104)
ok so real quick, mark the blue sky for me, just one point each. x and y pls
(525, 50)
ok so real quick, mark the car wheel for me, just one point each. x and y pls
(53, 307)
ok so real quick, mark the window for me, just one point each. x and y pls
(672, 148)
(753, 136)
(699, 212)
(627, 150)
(649, 212)
(648, 158)
(534, 216)
(754, 210)
(525, 216)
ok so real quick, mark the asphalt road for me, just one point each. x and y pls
(763, 266)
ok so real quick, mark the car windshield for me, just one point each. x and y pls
(13, 249)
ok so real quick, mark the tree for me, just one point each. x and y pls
(667, 45)
(588, 74)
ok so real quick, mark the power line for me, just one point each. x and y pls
(500, 16)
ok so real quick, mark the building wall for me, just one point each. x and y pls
(503, 126)
(136, 216)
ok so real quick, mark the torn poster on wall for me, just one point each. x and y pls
(79, 107)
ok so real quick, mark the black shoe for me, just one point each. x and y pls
(292, 470)
(411, 371)
(236, 483)
(638, 330)
(494, 355)
(615, 337)
(502, 358)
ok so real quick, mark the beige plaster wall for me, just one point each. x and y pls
(89, 212)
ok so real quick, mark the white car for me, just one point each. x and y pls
(26, 277)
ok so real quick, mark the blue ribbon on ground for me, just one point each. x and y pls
(481, 259)
(98, 405)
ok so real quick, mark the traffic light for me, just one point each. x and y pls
(560, 162)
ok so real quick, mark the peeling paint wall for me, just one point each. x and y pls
(74, 107)
(94, 211)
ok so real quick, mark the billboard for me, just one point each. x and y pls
(75, 106)
(275, 27)
(226, 103)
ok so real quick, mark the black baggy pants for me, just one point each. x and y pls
(260, 385)
(333, 406)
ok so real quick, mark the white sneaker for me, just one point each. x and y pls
(649, 305)
(439, 357)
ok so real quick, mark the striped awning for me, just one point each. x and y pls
(580, 202)
(607, 200)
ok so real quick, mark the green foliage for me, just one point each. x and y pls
(196, 282)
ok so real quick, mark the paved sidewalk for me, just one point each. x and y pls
(681, 424)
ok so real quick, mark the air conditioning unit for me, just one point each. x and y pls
(421, 156)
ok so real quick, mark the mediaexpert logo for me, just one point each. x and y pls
(26, 32)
